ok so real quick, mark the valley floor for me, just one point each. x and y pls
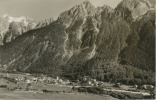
(14, 95)
(13, 86)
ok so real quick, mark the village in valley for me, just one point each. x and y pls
(43, 84)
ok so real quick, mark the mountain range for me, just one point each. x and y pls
(11, 27)
(115, 45)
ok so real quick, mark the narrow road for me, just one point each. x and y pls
(143, 93)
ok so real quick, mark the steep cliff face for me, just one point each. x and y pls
(86, 41)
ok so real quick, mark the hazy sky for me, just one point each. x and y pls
(41, 9)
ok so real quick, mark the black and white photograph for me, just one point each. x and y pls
(77, 49)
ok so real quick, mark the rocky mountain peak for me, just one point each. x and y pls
(135, 7)
(79, 11)
(105, 8)
(87, 4)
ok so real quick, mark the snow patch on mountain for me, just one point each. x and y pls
(23, 19)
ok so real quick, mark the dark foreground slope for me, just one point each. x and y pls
(85, 40)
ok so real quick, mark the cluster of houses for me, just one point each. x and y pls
(87, 81)
(42, 79)
(147, 87)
